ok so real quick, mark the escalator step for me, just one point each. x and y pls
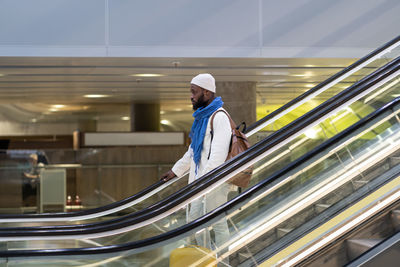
(359, 183)
(395, 217)
(282, 231)
(321, 207)
(356, 247)
(394, 161)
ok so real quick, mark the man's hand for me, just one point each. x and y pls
(168, 176)
(29, 175)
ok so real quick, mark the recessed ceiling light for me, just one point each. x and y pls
(147, 75)
(53, 109)
(162, 112)
(125, 118)
(33, 120)
(58, 106)
(310, 85)
(165, 122)
(276, 73)
(96, 96)
(306, 74)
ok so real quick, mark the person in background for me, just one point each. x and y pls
(205, 153)
(30, 181)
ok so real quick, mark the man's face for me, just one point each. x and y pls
(197, 97)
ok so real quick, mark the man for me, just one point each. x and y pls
(206, 153)
(30, 181)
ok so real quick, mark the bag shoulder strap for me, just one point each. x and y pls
(212, 126)
(233, 125)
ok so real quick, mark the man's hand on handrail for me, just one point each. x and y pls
(168, 176)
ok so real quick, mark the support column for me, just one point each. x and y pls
(87, 125)
(145, 117)
(240, 100)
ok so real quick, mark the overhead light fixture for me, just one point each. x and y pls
(275, 73)
(306, 74)
(58, 106)
(147, 75)
(165, 122)
(33, 120)
(95, 96)
(310, 85)
(125, 118)
(53, 109)
(162, 112)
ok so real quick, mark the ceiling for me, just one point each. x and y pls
(46, 89)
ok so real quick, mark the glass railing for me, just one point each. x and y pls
(319, 188)
(88, 179)
(84, 181)
(383, 87)
(351, 161)
(94, 192)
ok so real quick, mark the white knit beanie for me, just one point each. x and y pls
(205, 81)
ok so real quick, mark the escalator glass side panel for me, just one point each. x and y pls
(262, 169)
(89, 168)
(314, 188)
(346, 162)
(325, 129)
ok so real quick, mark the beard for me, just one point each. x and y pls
(199, 103)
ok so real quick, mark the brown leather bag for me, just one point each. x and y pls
(239, 143)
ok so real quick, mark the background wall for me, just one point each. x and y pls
(207, 28)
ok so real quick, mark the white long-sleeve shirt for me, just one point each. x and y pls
(219, 149)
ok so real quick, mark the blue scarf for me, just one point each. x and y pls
(199, 127)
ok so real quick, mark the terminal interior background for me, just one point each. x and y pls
(71, 68)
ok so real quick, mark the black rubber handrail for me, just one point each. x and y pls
(208, 218)
(248, 129)
(220, 172)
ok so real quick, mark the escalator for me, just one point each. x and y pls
(299, 105)
(305, 178)
(364, 174)
(282, 147)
